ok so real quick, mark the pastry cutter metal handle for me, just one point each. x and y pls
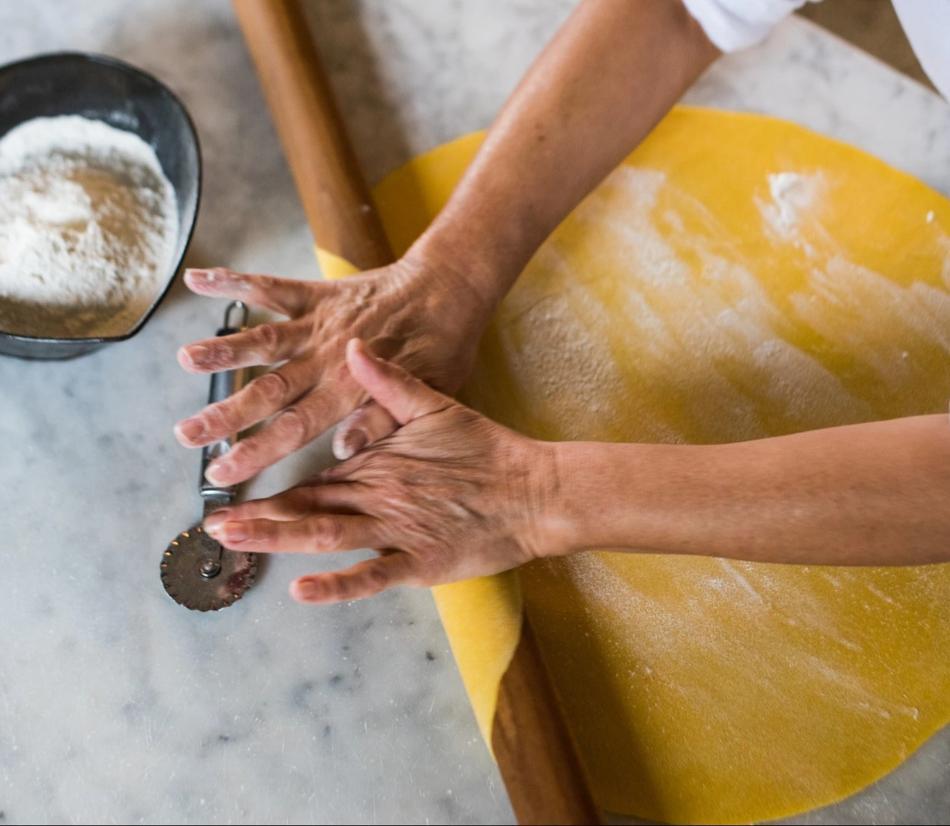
(223, 384)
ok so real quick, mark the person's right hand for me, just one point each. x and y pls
(426, 320)
(449, 495)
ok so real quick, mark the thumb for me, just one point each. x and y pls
(403, 396)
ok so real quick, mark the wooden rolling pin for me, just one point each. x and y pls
(534, 750)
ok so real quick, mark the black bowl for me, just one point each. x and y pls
(106, 89)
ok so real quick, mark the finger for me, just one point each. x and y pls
(316, 534)
(263, 344)
(254, 402)
(365, 579)
(367, 424)
(293, 504)
(290, 430)
(287, 296)
(403, 396)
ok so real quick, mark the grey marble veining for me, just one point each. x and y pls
(116, 705)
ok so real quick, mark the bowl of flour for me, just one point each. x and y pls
(100, 176)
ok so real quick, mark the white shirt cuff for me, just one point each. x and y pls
(737, 24)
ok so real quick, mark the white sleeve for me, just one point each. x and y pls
(736, 24)
(927, 24)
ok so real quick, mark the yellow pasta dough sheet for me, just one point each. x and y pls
(736, 277)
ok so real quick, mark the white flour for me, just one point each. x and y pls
(793, 195)
(87, 228)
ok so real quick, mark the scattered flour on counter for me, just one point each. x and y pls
(88, 227)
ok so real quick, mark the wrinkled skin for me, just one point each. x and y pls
(449, 495)
(427, 322)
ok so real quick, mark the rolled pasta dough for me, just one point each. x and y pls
(737, 277)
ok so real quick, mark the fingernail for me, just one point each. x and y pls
(192, 356)
(351, 444)
(214, 521)
(233, 531)
(191, 429)
(218, 471)
(195, 278)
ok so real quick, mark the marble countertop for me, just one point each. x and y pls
(116, 705)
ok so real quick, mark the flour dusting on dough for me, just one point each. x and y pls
(793, 196)
(648, 615)
(705, 332)
(704, 337)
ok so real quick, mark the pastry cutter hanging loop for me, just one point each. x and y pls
(196, 571)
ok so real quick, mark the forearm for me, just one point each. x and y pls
(610, 74)
(870, 494)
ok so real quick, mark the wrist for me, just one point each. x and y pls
(472, 264)
(566, 499)
(447, 290)
(537, 503)
(583, 503)
(618, 496)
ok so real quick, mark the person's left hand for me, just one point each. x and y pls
(449, 495)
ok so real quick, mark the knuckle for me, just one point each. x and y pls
(362, 292)
(217, 355)
(376, 578)
(293, 427)
(256, 530)
(268, 337)
(271, 387)
(338, 586)
(243, 454)
(326, 534)
(220, 418)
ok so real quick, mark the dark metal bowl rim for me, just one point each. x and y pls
(95, 57)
